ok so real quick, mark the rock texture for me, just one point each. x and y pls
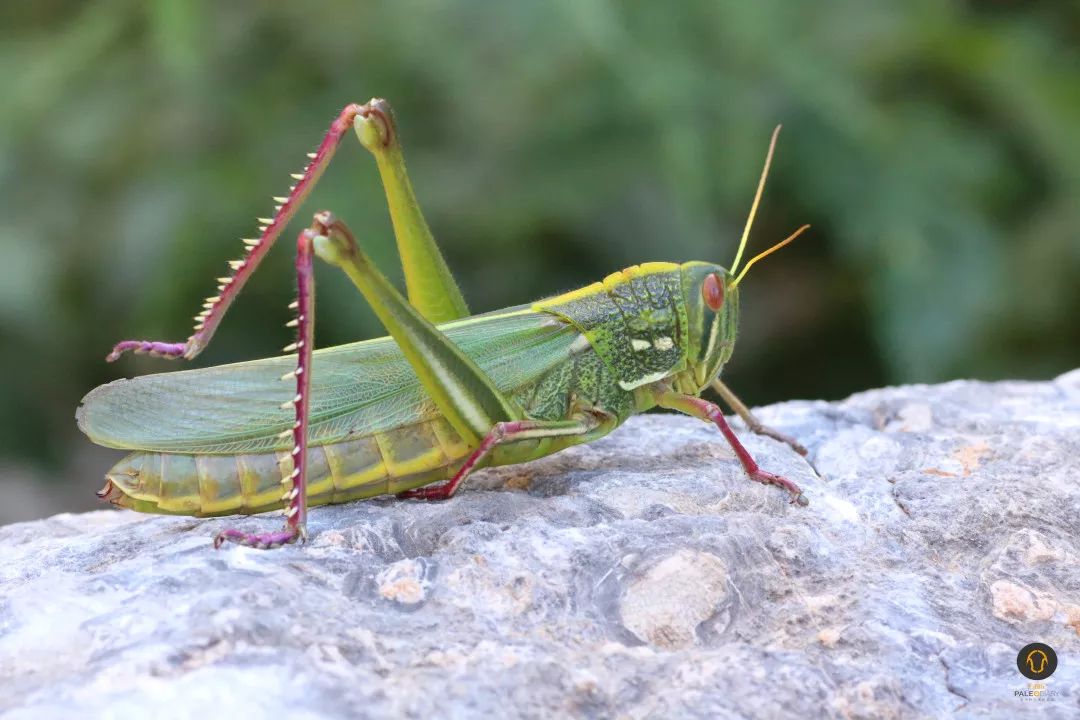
(641, 576)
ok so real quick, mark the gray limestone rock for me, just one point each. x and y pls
(641, 576)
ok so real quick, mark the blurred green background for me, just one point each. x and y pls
(933, 145)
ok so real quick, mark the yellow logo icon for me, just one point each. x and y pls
(1036, 661)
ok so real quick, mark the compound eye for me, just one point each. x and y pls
(713, 292)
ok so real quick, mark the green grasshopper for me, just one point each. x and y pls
(412, 414)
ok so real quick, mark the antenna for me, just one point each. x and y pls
(770, 251)
(757, 199)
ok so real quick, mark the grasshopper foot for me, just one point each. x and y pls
(262, 541)
(148, 347)
(767, 478)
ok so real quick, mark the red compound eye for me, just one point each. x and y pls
(713, 292)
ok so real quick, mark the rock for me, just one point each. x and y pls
(640, 576)
(664, 606)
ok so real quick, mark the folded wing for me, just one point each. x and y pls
(357, 389)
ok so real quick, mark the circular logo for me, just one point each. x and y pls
(1036, 661)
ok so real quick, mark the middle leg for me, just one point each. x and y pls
(752, 423)
(503, 432)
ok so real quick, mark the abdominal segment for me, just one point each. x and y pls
(203, 485)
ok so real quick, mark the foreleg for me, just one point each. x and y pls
(705, 410)
(755, 425)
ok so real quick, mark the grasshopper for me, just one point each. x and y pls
(414, 413)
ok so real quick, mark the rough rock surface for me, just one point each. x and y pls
(641, 576)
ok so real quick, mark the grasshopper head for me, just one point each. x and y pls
(712, 296)
(712, 308)
(712, 303)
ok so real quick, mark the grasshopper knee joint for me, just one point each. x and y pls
(375, 125)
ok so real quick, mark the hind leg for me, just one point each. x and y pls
(296, 483)
(431, 287)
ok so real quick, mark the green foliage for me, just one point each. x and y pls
(931, 144)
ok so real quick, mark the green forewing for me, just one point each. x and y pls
(356, 390)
